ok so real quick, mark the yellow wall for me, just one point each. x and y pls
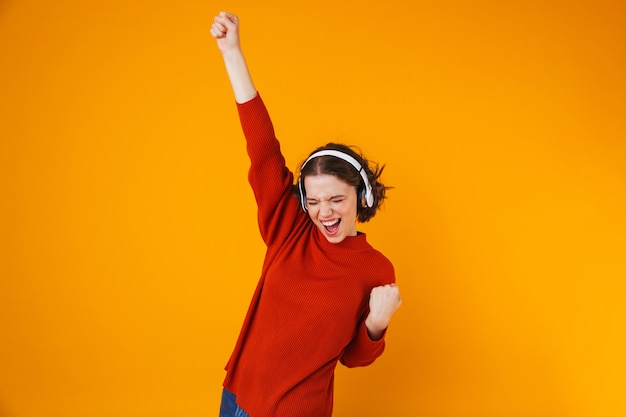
(128, 243)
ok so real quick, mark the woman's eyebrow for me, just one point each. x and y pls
(331, 198)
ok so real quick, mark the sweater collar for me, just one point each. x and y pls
(350, 243)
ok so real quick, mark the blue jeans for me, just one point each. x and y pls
(229, 407)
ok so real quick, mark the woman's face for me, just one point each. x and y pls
(331, 204)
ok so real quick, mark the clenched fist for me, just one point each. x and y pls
(225, 29)
(384, 301)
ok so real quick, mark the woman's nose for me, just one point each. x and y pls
(325, 208)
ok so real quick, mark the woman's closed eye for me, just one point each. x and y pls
(332, 200)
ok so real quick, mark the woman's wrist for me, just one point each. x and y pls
(375, 330)
(231, 54)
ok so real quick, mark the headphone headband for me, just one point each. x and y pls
(369, 197)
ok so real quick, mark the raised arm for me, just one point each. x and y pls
(225, 29)
(271, 180)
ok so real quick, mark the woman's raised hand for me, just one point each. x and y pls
(225, 29)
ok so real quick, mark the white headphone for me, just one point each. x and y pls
(367, 192)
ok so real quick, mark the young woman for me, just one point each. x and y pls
(325, 295)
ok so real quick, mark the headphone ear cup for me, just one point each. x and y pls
(367, 199)
(363, 197)
(302, 195)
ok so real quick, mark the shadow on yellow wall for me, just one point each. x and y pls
(129, 248)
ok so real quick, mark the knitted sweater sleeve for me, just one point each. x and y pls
(362, 350)
(271, 180)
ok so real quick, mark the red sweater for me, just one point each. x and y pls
(311, 301)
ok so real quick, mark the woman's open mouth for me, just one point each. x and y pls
(331, 226)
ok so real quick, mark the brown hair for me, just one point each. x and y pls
(344, 171)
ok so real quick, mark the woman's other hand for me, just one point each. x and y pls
(384, 301)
